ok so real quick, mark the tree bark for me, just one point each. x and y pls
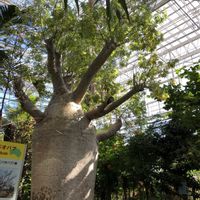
(105, 108)
(64, 155)
(26, 103)
(54, 68)
(110, 132)
(93, 68)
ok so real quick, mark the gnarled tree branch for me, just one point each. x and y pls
(26, 103)
(94, 67)
(54, 68)
(104, 108)
(95, 113)
(111, 131)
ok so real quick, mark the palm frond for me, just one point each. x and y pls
(3, 9)
(7, 12)
(123, 4)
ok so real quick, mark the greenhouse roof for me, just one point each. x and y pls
(181, 32)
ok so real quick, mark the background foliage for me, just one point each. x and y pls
(156, 161)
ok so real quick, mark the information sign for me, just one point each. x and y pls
(11, 164)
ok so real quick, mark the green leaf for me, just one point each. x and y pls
(96, 2)
(108, 11)
(77, 5)
(118, 14)
(124, 6)
(65, 4)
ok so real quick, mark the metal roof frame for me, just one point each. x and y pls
(181, 32)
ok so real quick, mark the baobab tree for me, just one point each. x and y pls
(79, 53)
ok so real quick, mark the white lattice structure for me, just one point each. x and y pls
(181, 31)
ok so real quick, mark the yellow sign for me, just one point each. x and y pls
(12, 150)
(11, 163)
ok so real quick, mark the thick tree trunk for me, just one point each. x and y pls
(64, 157)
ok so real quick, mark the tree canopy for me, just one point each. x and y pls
(78, 38)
